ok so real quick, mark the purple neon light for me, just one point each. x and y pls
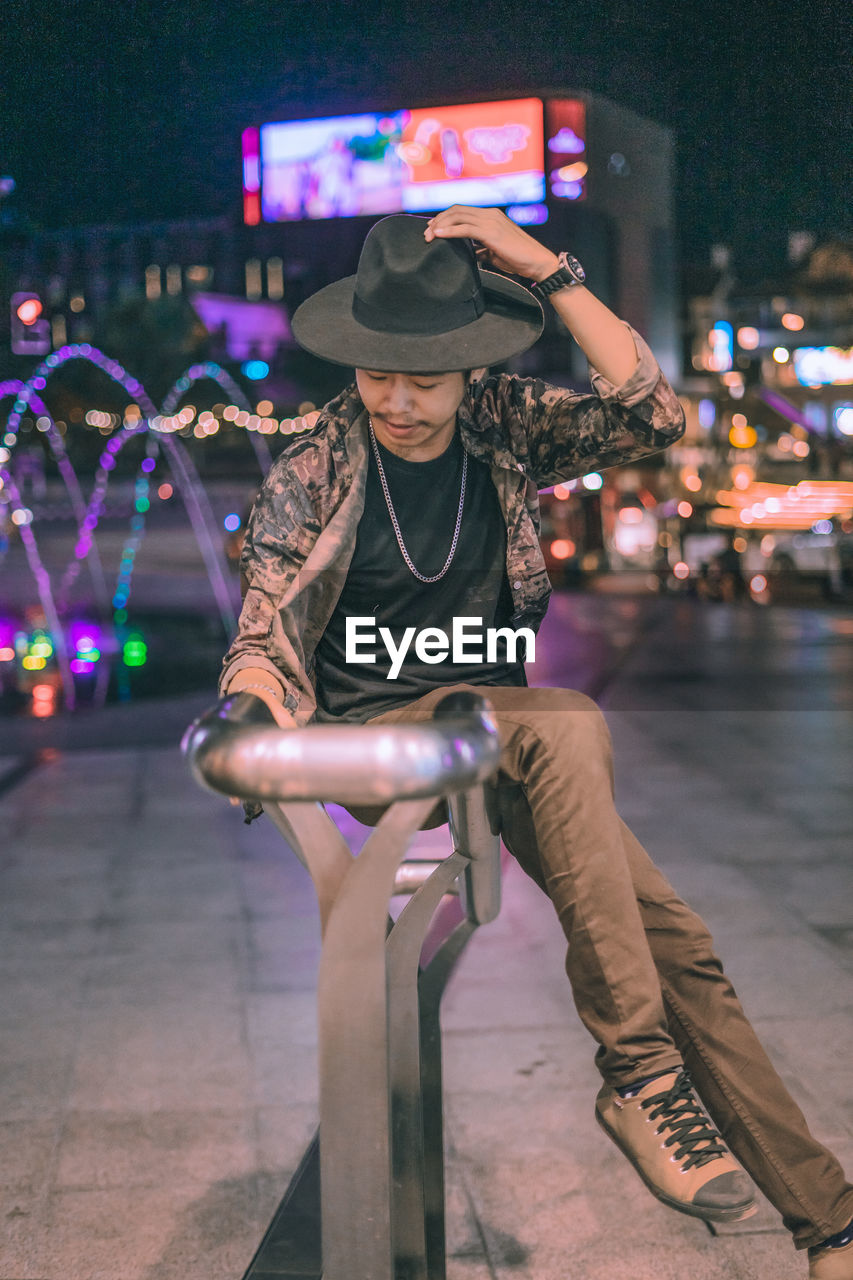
(787, 409)
(69, 476)
(43, 587)
(95, 508)
(75, 351)
(189, 483)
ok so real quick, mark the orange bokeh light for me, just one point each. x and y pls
(779, 506)
(29, 311)
(44, 700)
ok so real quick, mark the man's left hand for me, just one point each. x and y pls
(499, 241)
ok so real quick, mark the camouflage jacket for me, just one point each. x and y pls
(301, 535)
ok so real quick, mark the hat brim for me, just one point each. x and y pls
(324, 325)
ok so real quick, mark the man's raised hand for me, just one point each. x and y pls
(499, 241)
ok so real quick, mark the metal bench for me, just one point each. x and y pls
(367, 1202)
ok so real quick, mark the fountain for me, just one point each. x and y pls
(73, 645)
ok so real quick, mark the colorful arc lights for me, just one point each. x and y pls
(54, 604)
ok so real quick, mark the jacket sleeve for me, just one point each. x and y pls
(569, 434)
(280, 532)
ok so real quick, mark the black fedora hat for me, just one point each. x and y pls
(418, 306)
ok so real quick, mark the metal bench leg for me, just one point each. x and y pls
(415, 1047)
(319, 846)
(413, 1121)
(433, 981)
(352, 997)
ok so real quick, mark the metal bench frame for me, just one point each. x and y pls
(376, 1212)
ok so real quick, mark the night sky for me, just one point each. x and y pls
(132, 111)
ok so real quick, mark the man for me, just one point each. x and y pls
(408, 514)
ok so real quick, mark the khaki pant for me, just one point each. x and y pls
(645, 979)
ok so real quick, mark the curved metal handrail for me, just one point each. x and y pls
(233, 748)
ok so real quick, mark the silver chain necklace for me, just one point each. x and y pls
(395, 522)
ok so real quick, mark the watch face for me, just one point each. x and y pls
(575, 267)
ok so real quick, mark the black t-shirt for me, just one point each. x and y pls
(381, 587)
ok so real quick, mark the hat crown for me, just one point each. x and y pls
(417, 305)
(406, 284)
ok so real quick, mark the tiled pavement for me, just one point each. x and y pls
(157, 962)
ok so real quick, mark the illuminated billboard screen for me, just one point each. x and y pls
(407, 161)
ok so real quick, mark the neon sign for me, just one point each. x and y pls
(566, 146)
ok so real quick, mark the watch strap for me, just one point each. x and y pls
(569, 273)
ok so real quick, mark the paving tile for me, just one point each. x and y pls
(109, 1235)
(281, 1134)
(24, 1213)
(187, 1055)
(27, 1149)
(546, 1123)
(283, 954)
(39, 898)
(282, 1078)
(818, 1069)
(273, 884)
(479, 1005)
(502, 1061)
(820, 891)
(34, 1088)
(179, 892)
(175, 957)
(813, 978)
(100, 1150)
(38, 1038)
(466, 1250)
(281, 1019)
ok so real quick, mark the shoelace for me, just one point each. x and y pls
(693, 1135)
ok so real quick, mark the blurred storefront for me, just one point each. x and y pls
(767, 459)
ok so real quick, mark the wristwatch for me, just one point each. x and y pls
(569, 272)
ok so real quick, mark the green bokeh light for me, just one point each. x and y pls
(134, 651)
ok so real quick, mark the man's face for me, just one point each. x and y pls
(413, 414)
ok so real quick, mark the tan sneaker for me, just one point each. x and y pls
(670, 1141)
(831, 1264)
